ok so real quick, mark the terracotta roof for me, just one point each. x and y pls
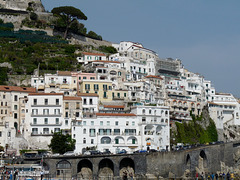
(212, 103)
(114, 114)
(18, 89)
(87, 94)
(72, 98)
(45, 94)
(107, 61)
(93, 54)
(113, 106)
(64, 73)
(152, 76)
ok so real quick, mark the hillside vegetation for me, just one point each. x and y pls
(201, 130)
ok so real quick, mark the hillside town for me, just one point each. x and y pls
(129, 100)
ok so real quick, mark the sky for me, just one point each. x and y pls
(204, 34)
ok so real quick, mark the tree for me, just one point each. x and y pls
(68, 14)
(61, 143)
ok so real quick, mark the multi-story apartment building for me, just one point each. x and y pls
(87, 57)
(12, 113)
(154, 126)
(113, 131)
(44, 117)
(103, 88)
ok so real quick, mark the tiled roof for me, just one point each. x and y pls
(113, 106)
(87, 94)
(45, 94)
(17, 89)
(152, 76)
(114, 114)
(64, 73)
(71, 98)
(93, 54)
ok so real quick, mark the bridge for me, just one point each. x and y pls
(210, 158)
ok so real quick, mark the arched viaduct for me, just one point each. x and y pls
(207, 158)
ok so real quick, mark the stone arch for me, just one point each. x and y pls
(203, 156)
(63, 168)
(45, 166)
(126, 165)
(105, 169)
(188, 162)
(132, 140)
(106, 140)
(85, 169)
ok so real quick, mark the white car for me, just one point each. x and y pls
(87, 153)
(69, 153)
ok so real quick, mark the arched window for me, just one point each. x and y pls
(84, 131)
(84, 140)
(143, 111)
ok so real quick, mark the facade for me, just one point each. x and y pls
(44, 117)
(13, 101)
(87, 57)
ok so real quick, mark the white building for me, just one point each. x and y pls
(154, 126)
(113, 131)
(87, 57)
(44, 117)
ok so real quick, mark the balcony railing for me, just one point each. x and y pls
(37, 124)
(45, 105)
(46, 115)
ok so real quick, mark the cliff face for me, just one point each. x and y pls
(22, 5)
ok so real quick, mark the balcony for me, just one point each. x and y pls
(45, 105)
(33, 124)
(41, 134)
(46, 115)
(118, 98)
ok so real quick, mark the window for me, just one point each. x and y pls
(46, 101)
(90, 101)
(34, 120)
(45, 120)
(66, 105)
(15, 115)
(143, 111)
(84, 140)
(143, 119)
(92, 123)
(92, 78)
(87, 87)
(9, 134)
(92, 141)
(57, 111)
(57, 101)
(77, 114)
(66, 122)
(104, 94)
(116, 131)
(116, 141)
(113, 95)
(116, 123)
(15, 98)
(15, 107)
(84, 131)
(84, 77)
(45, 130)
(57, 120)
(133, 141)
(96, 87)
(125, 94)
(34, 130)
(133, 123)
(34, 101)
(104, 87)
(45, 111)
(5, 111)
(56, 129)
(66, 114)
(4, 96)
(108, 123)
(84, 123)
(5, 103)
(101, 123)
(79, 77)
(150, 111)
(84, 101)
(77, 105)
(0, 133)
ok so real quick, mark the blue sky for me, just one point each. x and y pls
(204, 34)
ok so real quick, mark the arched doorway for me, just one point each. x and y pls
(126, 166)
(188, 162)
(85, 169)
(64, 169)
(105, 169)
(203, 160)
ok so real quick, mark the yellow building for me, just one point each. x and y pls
(101, 87)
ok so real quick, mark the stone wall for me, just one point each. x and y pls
(19, 80)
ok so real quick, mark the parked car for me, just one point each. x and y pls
(153, 150)
(69, 153)
(55, 155)
(87, 153)
(106, 151)
(95, 152)
(123, 151)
